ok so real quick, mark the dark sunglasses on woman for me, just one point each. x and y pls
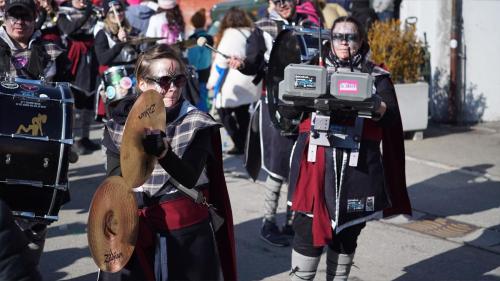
(352, 37)
(165, 81)
(281, 2)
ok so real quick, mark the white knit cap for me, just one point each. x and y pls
(167, 4)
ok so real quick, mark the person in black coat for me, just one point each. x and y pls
(14, 261)
(339, 185)
(76, 21)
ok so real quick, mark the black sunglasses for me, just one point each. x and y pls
(179, 81)
(349, 37)
(282, 2)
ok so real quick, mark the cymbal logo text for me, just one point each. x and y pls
(147, 113)
(112, 256)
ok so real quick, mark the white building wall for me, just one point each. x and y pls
(482, 47)
(481, 79)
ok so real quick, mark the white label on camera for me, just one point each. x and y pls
(311, 153)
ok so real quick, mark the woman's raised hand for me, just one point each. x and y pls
(122, 35)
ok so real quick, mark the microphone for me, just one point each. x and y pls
(202, 42)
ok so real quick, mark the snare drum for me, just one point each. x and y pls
(36, 122)
(119, 81)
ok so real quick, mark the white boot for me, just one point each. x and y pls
(303, 267)
(338, 265)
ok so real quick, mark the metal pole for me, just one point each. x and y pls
(454, 63)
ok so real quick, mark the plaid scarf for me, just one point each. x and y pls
(20, 57)
(180, 134)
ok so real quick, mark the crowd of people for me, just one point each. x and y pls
(112, 51)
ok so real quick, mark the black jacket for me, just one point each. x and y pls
(14, 264)
(36, 63)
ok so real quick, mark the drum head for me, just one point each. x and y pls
(112, 224)
(148, 112)
(286, 50)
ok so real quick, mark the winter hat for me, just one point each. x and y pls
(167, 4)
(106, 5)
(25, 4)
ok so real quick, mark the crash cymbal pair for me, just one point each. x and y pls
(113, 218)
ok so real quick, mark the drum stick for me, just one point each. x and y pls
(202, 42)
(116, 16)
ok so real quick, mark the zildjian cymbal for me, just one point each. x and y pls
(112, 224)
(148, 112)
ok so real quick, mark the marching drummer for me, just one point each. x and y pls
(24, 54)
(22, 51)
(276, 148)
(111, 42)
(113, 48)
(76, 20)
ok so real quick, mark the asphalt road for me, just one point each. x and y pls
(453, 177)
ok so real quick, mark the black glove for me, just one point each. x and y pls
(377, 101)
(89, 8)
(153, 143)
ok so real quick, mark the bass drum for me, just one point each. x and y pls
(36, 123)
(292, 46)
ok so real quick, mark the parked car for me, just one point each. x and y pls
(255, 8)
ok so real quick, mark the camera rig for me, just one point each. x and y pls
(296, 87)
(312, 88)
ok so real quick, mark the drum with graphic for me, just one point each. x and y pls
(36, 122)
(119, 81)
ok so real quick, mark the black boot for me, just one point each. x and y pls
(86, 146)
(271, 234)
(287, 230)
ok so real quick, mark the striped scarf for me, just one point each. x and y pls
(180, 134)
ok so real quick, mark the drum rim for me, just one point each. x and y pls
(119, 67)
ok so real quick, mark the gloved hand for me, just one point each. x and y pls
(376, 99)
(379, 107)
(153, 143)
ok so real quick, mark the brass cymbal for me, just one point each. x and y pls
(148, 111)
(112, 224)
(141, 40)
(185, 44)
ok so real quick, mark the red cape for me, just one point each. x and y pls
(225, 236)
(217, 196)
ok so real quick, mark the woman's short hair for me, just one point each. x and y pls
(160, 51)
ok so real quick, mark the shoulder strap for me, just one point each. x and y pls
(242, 33)
(199, 198)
